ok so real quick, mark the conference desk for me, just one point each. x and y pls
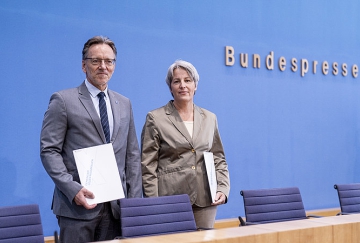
(334, 229)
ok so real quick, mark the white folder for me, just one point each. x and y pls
(210, 170)
(99, 173)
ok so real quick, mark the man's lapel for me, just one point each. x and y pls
(116, 110)
(85, 99)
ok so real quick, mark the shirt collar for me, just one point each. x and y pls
(93, 90)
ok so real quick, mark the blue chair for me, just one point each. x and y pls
(349, 197)
(156, 215)
(21, 224)
(272, 205)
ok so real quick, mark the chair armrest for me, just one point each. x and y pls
(242, 221)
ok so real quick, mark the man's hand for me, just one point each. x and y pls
(80, 198)
(220, 198)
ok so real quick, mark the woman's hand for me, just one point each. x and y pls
(220, 198)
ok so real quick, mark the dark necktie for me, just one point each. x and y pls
(104, 116)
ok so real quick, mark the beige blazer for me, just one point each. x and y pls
(173, 162)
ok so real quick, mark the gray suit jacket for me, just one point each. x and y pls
(173, 162)
(71, 122)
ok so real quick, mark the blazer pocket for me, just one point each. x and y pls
(178, 180)
(168, 171)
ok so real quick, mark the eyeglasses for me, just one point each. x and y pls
(98, 62)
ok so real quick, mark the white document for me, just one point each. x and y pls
(99, 173)
(210, 170)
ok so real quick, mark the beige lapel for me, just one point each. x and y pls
(176, 120)
(198, 119)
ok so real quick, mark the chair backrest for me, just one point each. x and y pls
(20, 224)
(273, 205)
(156, 215)
(349, 197)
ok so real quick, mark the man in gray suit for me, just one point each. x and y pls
(73, 121)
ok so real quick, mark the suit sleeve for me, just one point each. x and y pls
(221, 167)
(150, 144)
(53, 133)
(133, 167)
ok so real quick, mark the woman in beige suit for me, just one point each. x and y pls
(173, 141)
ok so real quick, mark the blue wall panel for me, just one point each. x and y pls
(278, 128)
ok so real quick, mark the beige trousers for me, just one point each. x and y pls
(204, 217)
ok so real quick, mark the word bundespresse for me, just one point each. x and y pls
(304, 64)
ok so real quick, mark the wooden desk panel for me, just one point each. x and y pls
(234, 222)
(301, 231)
(334, 229)
(248, 234)
(346, 228)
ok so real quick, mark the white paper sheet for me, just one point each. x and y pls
(99, 173)
(210, 170)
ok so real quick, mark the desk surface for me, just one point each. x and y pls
(335, 229)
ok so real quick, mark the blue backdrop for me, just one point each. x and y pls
(279, 129)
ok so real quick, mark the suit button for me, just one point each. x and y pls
(193, 167)
(193, 150)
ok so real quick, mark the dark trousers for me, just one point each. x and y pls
(103, 227)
